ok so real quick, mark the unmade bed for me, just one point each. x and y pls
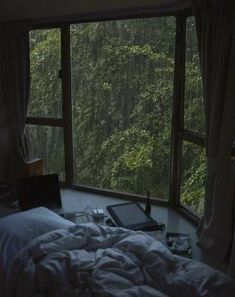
(44, 255)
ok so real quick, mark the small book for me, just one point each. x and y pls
(179, 244)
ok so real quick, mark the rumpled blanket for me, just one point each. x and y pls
(90, 260)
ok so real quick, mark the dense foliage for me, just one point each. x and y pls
(122, 91)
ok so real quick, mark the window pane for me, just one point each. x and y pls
(122, 81)
(193, 177)
(194, 117)
(45, 63)
(48, 143)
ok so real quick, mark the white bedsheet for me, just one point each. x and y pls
(89, 260)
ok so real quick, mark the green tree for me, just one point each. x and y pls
(122, 90)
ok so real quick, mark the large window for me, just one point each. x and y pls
(45, 116)
(122, 89)
(102, 98)
(193, 176)
(193, 160)
(46, 89)
(47, 142)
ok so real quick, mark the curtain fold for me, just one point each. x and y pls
(216, 36)
(14, 94)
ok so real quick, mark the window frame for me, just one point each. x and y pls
(65, 121)
(178, 133)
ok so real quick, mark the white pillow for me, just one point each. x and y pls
(18, 229)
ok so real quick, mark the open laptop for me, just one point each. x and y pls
(41, 190)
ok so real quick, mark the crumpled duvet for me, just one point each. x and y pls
(89, 260)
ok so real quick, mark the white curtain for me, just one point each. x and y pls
(14, 93)
(216, 35)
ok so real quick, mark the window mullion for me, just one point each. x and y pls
(193, 137)
(67, 104)
(177, 111)
(45, 121)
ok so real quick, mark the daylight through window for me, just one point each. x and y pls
(117, 78)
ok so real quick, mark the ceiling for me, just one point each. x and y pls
(36, 9)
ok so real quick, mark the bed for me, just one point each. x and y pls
(44, 255)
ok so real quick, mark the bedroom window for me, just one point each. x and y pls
(116, 107)
(45, 116)
(45, 63)
(193, 159)
(47, 142)
(193, 166)
(122, 90)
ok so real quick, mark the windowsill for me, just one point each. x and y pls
(120, 195)
(184, 211)
(74, 200)
(193, 217)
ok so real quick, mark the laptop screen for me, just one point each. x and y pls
(42, 190)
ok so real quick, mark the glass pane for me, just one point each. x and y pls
(45, 63)
(48, 143)
(193, 177)
(122, 82)
(194, 117)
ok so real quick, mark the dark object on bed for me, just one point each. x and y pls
(42, 190)
(132, 216)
